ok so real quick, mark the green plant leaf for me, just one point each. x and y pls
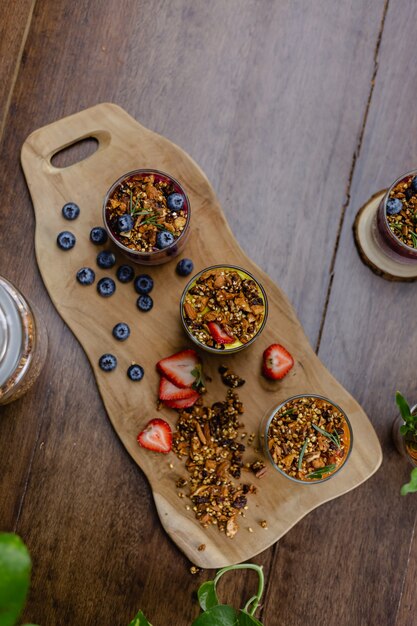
(207, 595)
(405, 429)
(220, 615)
(244, 619)
(410, 487)
(140, 620)
(15, 566)
(403, 406)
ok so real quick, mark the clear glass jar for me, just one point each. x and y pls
(405, 444)
(23, 343)
(387, 241)
(155, 256)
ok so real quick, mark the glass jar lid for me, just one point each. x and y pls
(11, 335)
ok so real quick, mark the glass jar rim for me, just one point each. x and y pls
(216, 350)
(390, 234)
(111, 189)
(272, 414)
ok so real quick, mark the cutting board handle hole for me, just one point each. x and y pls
(75, 152)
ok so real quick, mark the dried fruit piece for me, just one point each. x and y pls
(156, 436)
(277, 362)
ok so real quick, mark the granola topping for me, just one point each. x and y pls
(404, 223)
(308, 438)
(206, 437)
(143, 198)
(224, 308)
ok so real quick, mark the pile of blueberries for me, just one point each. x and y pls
(106, 286)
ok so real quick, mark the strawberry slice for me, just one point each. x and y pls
(156, 436)
(219, 334)
(168, 391)
(178, 368)
(185, 403)
(277, 362)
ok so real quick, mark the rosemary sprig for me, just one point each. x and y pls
(319, 473)
(289, 412)
(414, 238)
(303, 449)
(133, 209)
(330, 436)
(397, 226)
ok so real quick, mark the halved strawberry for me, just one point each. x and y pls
(219, 334)
(156, 436)
(168, 391)
(277, 362)
(185, 403)
(178, 368)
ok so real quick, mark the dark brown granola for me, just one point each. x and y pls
(230, 299)
(308, 438)
(144, 198)
(207, 438)
(404, 223)
(229, 378)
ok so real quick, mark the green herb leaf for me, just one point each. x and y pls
(244, 619)
(403, 406)
(220, 615)
(303, 449)
(207, 595)
(15, 566)
(289, 412)
(197, 372)
(319, 473)
(328, 435)
(410, 487)
(414, 238)
(405, 429)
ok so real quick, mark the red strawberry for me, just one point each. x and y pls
(157, 436)
(178, 368)
(168, 391)
(277, 362)
(219, 334)
(182, 404)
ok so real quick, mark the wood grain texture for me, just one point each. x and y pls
(369, 344)
(245, 88)
(16, 16)
(124, 145)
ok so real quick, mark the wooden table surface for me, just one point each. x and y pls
(297, 112)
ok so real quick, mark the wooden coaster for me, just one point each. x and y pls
(369, 250)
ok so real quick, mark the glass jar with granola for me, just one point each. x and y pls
(307, 438)
(395, 225)
(223, 309)
(147, 215)
(23, 343)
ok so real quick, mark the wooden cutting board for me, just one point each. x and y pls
(125, 145)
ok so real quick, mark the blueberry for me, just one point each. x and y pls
(66, 240)
(124, 223)
(98, 235)
(164, 239)
(185, 267)
(106, 287)
(70, 211)
(394, 206)
(121, 331)
(106, 259)
(413, 184)
(144, 303)
(409, 193)
(143, 284)
(107, 362)
(125, 273)
(86, 276)
(135, 372)
(175, 201)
